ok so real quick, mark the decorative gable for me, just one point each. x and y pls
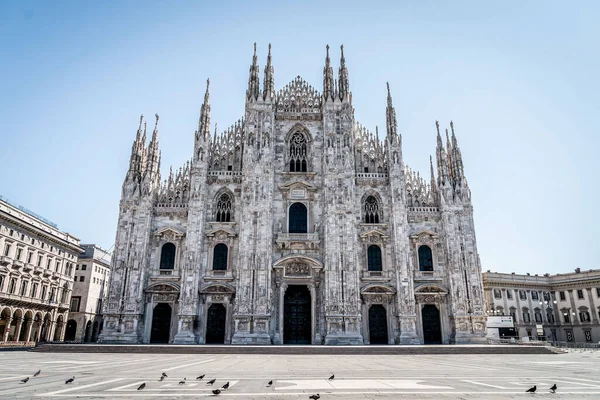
(374, 236)
(220, 235)
(169, 234)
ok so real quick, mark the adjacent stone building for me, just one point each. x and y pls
(37, 263)
(566, 305)
(295, 225)
(89, 289)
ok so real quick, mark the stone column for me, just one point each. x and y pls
(7, 331)
(593, 310)
(574, 318)
(28, 327)
(18, 329)
(50, 332)
(185, 332)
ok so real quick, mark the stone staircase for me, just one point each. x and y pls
(297, 350)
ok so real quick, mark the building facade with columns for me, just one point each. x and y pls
(295, 225)
(37, 264)
(567, 305)
(92, 273)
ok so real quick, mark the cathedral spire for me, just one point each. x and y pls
(390, 116)
(153, 160)
(441, 158)
(253, 81)
(456, 158)
(204, 121)
(327, 78)
(344, 85)
(136, 148)
(269, 82)
(432, 182)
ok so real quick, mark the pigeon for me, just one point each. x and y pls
(211, 382)
(143, 385)
(553, 388)
(200, 377)
(70, 380)
(162, 378)
(182, 382)
(270, 383)
(332, 377)
(164, 375)
(315, 396)
(531, 390)
(216, 392)
(225, 386)
(37, 373)
(25, 380)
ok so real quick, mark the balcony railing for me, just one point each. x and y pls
(5, 260)
(371, 175)
(376, 275)
(298, 237)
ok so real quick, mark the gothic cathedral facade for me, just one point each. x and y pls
(296, 225)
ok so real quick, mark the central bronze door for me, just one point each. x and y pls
(215, 324)
(378, 333)
(296, 315)
(432, 329)
(161, 323)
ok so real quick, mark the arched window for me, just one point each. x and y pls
(298, 218)
(374, 258)
(167, 256)
(372, 210)
(224, 208)
(220, 257)
(425, 258)
(298, 153)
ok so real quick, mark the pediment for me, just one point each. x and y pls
(377, 289)
(217, 288)
(428, 288)
(424, 233)
(298, 185)
(164, 287)
(373, 232)
(221, 233)
(169, 233)
(297, 259)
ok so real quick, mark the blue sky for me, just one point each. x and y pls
(518, 79)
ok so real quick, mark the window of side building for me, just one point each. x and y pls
(562, 296)
(598, 292)
(509, 294)
(497, 294)
(522, 295)
(75, 303)
(580, 294)
(534, 296)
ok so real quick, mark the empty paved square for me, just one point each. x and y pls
(117, 376)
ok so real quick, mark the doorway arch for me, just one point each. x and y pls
(432, 327)
(378, 332)
(161, 323)
(297, 319)
(215, 324)
(95, 331)
(71, 330)
(88, 332)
